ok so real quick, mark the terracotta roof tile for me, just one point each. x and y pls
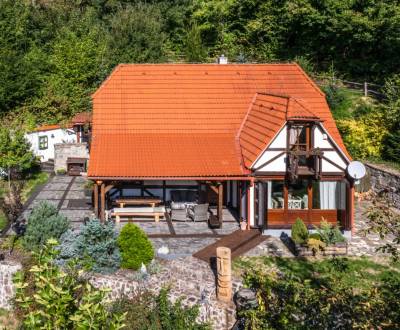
(203, 99)
(164, 155)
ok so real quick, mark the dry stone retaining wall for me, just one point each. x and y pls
(7, 291)
(379, 179)
(188, 278)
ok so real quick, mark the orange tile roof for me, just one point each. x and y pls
(81, 118)
(164, 155)
(49, 127)
(203, 99)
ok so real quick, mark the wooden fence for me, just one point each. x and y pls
(368, 89)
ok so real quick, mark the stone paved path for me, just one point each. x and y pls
(67, 194)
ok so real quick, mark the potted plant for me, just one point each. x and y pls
(88, 188)
(61, 171)
(243, 224)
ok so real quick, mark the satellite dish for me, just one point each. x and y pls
(356, 170)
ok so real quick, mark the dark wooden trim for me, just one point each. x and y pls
(334, 164)
(270, 160)
(268, 173)
(108, 188)
(220, 204)
(102, 202)
(96, 199)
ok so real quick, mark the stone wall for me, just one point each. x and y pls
(380, 178)
(7, 271)
(62, 151)
(188, 278)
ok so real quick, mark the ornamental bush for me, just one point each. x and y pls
(329, 234)
(148, 311)
(95, 247)
(299, 232)
(44, 223)
(48, 297)
(135, 247)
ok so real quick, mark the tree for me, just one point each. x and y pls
(194, 48)
(135, 35)
(15, 154)
(384, 221)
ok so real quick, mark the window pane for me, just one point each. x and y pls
(329, 195)
(275, 195)
(297, 195)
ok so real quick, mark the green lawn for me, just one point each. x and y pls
(353, 272)
(32, 182)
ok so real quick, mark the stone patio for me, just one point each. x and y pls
(184, 238)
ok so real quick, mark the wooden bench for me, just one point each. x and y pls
(156, 212)
(138, 201)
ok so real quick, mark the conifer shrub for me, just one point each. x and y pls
(94, 246)
(299, 232)
(330, 234)
(135, 247)
(44, 223)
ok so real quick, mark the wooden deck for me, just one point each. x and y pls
(240, 241)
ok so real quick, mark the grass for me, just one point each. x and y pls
(385, 163)
(7, 320)
(352, 272)
(34, 179)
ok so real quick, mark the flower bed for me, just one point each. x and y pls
(339, 249)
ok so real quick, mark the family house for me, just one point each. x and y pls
(255, 138)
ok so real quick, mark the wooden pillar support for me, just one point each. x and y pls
(220, 203)
(351, 208)
(96, 199)
(102, 202)
(224, 274)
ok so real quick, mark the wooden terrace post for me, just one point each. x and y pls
(102, 201)
(220, 203)
(96, 199)
(351, 208)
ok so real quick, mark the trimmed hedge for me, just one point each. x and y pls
(135, 247)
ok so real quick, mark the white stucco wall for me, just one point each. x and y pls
(54, 136)
(321, 140)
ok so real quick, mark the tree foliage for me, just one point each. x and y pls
(48, 297)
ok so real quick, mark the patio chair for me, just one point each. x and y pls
(198, 212)
(178, 215)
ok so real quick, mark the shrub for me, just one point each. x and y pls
(49, 298)
(391, 149)
(329, 234)
(135, 247)
(95, 246)
(365, 135)
(305, 295)
(147, 311)
(44, 223)
(315, 236)
(61, 171)
(315, 245)
(299, 232)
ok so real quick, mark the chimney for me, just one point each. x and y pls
(222, 59)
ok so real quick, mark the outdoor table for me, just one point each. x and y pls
(138, 201)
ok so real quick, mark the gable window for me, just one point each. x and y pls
(300, 142)
(43, 142)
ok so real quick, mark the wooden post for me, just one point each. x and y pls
(220, 203)
(96, 199)
(365, 89)
(102, 202)
(224, 274)
(351, 208)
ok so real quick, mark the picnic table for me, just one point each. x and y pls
(138, 201)
(156, 212)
